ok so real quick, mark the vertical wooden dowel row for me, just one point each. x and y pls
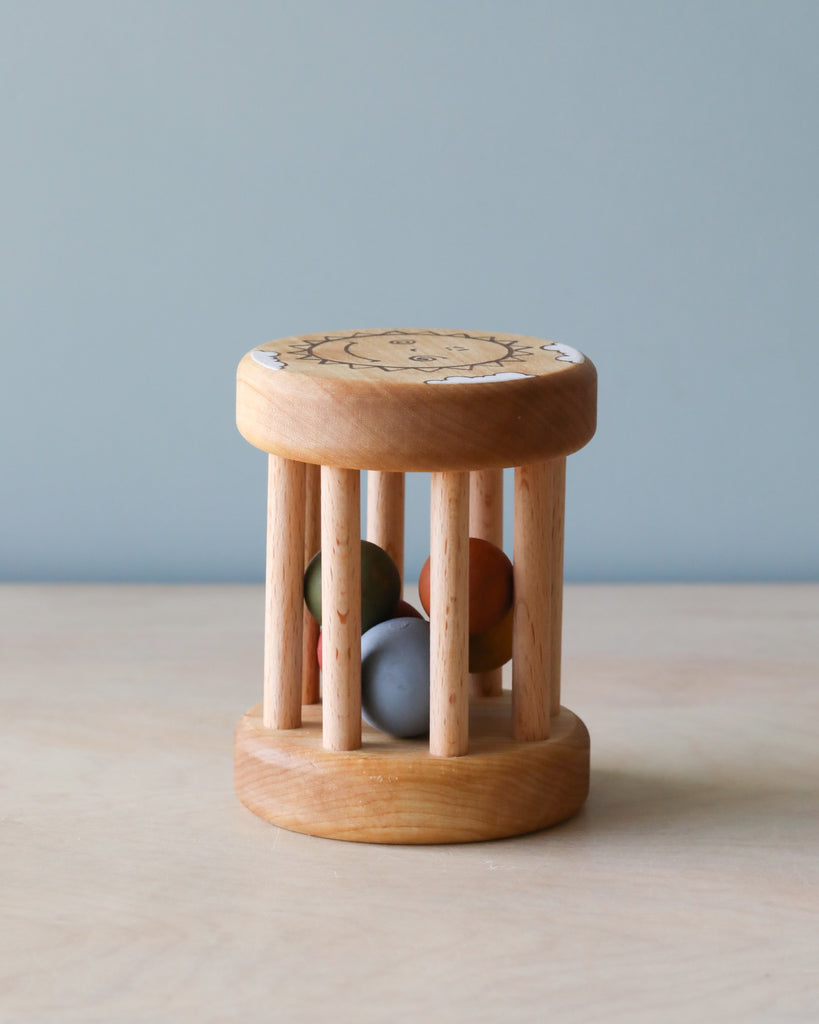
(531, 647)
(385, 514)
(557, 515)
(449, 614)
(486, 522)
(284, 597)
(310, 685)
(341, 607)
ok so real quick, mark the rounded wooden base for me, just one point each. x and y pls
(394, 791)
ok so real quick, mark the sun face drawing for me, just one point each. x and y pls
(424, 351)
(416, 356)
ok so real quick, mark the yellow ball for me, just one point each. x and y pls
(493, 647)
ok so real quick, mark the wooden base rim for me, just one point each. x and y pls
(394, 791)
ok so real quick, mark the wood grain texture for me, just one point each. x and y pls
(385, 514)
(395, 791)
(136, 887)
(556, 511)
(284, 593)
(341, 607)
(423, 399)
(486, 522)
(532, 638)
(449, 615)
(486, 505)
(310, 675)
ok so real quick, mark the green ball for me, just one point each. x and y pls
(380, 585)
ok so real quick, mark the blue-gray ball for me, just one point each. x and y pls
(395, 677)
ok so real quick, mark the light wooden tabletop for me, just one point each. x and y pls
(135, 887)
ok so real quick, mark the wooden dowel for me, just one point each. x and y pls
(557, 517)
(341, 607)
(283, 594)
(449, 614)
(486, 505)
(532, 637)
(486, 522)
(310, 679)
(385, 514)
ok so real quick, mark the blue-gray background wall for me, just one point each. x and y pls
(184, 180)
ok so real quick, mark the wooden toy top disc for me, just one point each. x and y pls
(416, 399)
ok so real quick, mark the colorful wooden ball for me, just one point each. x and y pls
(403, 610)
(490, 585)
(395, 677)
(380, 585)
(492, 648)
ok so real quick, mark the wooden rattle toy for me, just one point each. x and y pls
(461, 406)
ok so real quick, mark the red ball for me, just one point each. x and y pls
(404, 610)
(490, 585)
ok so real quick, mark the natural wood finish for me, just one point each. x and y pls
(394, 791)
(310, 675)
(403, 400)
(135, 886)
(486, 522)
(449, 614)
(385, 514)
(532, 638)
(556, 522)
(283, 594)
(341, 607)
(486, 505)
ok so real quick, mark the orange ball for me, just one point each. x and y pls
(490, 585)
